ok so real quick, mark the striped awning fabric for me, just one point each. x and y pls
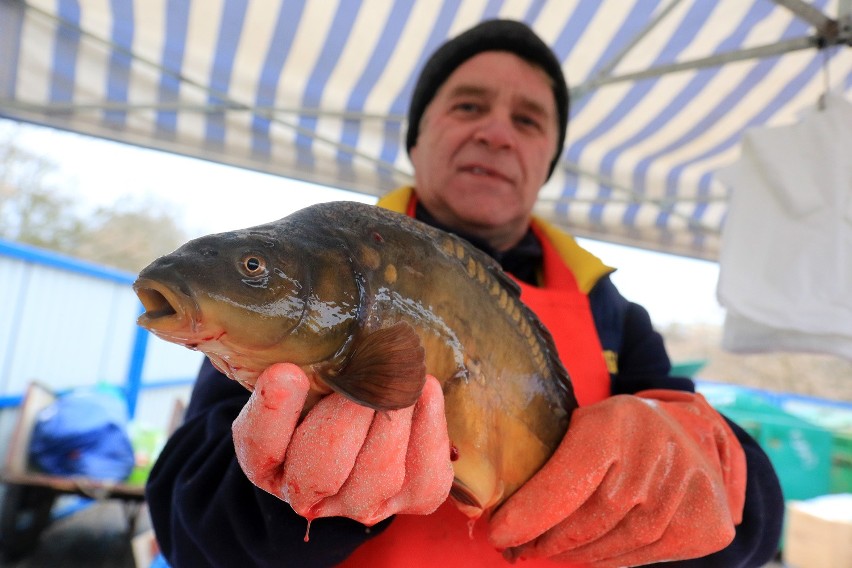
(318, 89)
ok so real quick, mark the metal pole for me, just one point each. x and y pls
(134, 372)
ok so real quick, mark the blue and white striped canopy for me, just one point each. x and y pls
(318, 89)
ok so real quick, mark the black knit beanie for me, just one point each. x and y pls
(490, 35)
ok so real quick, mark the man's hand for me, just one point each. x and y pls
(637, 479)
(344, 459)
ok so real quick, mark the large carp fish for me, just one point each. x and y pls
(367, 301)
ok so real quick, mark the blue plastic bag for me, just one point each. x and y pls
(84, 433)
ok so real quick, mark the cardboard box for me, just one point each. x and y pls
(818, 532)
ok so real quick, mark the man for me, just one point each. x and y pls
(642, 476)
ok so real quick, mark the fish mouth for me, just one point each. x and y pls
(167, 310)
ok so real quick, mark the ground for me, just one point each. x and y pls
(809, 374)
(95, 537)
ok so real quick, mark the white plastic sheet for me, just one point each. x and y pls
(786, 256)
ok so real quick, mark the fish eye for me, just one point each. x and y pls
(253, 265)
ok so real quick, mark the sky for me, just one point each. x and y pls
(211, 197)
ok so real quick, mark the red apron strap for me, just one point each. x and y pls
(565, 311)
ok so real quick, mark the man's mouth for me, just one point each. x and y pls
(484, 171)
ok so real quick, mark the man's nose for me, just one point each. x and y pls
(496, 132)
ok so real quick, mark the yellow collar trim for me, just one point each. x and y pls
(587, 268)
(397, 200)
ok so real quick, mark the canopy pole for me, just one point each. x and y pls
(711, 61)
(586, 86)
(808, 13)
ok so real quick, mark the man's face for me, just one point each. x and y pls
(485, 146)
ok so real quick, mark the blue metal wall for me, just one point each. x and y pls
(69, 323)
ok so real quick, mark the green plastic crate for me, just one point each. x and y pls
(688, 368)
(800, 451)
(837, 419)
(841, 463)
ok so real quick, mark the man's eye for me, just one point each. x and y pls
(466, 107)
(528, 121)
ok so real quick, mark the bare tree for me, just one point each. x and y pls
(32, 208)
(130, 234)
(38, 208)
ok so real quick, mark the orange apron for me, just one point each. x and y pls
(444, 538)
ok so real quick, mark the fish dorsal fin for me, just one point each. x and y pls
(386, 370)
(563, 379)
(507, 293)
(510, 285)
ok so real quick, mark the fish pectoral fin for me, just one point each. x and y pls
(387, 369)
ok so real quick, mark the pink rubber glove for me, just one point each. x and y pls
(344, 459)
(654, 477)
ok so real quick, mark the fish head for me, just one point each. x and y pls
(242, 297)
